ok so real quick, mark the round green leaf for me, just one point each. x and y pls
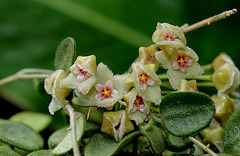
(57, 137)
(41, 153)
(106, 145)
(184, 113)
(20, 135)
(6, 150)
(231, 135)
(66, 144)
(155, 136)
(37, 121)
(65, 54)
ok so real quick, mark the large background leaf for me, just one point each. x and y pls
(30, 33)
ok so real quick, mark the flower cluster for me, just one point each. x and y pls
(179, 60)
(135, 92)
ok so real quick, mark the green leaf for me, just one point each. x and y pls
(184, 113)
(177, 143)
(41, 153)
(65, 54)
(231, 135)
(91, 128)
(20, 135)
(96, 114)
(155, 136)
(37, 121)
(6, 150)
(106, 145)
(57, 137)
(66, 144)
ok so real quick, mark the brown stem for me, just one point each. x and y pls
(185, 28)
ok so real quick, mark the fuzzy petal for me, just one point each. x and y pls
(163, 59)
(153, 94)
(103, 73)
(82, 87)
(55, 105)
(138, 117)
(175, 76)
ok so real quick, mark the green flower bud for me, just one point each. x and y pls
(116, 124)
(224, 107)
(187, 85)
(147, 55)
(223, 77)
(226, 75)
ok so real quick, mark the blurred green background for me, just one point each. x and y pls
(113, 30)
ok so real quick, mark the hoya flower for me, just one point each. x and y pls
(116, 124)
(109, 88)
(168, 36)
(180, 65)
(137, 107)
(187, 85)
(82, 76)
(52, 86)
(146, 82)
(226, 77)
(147, 55)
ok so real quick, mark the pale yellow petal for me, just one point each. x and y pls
(138, 117)
(176, 76)
(103, 73)
(87, 62)
(83, 87)
(153, 94)
(55, 105)
(163, 59)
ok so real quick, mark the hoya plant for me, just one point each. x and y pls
(165, 104)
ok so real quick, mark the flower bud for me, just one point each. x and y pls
(187, 85)
(116, 124)
(147, 55)
(223, 77)
(224, 107)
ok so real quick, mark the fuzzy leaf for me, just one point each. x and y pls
(40, 153)
(6, 150)
(66, 144)
(231, 135)
(20, 135)
(96, 114)
(106, 145)
(177, 143)
(37, 121)
(155, 136)
(184, 113)
(57, 137)
(65, 54)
